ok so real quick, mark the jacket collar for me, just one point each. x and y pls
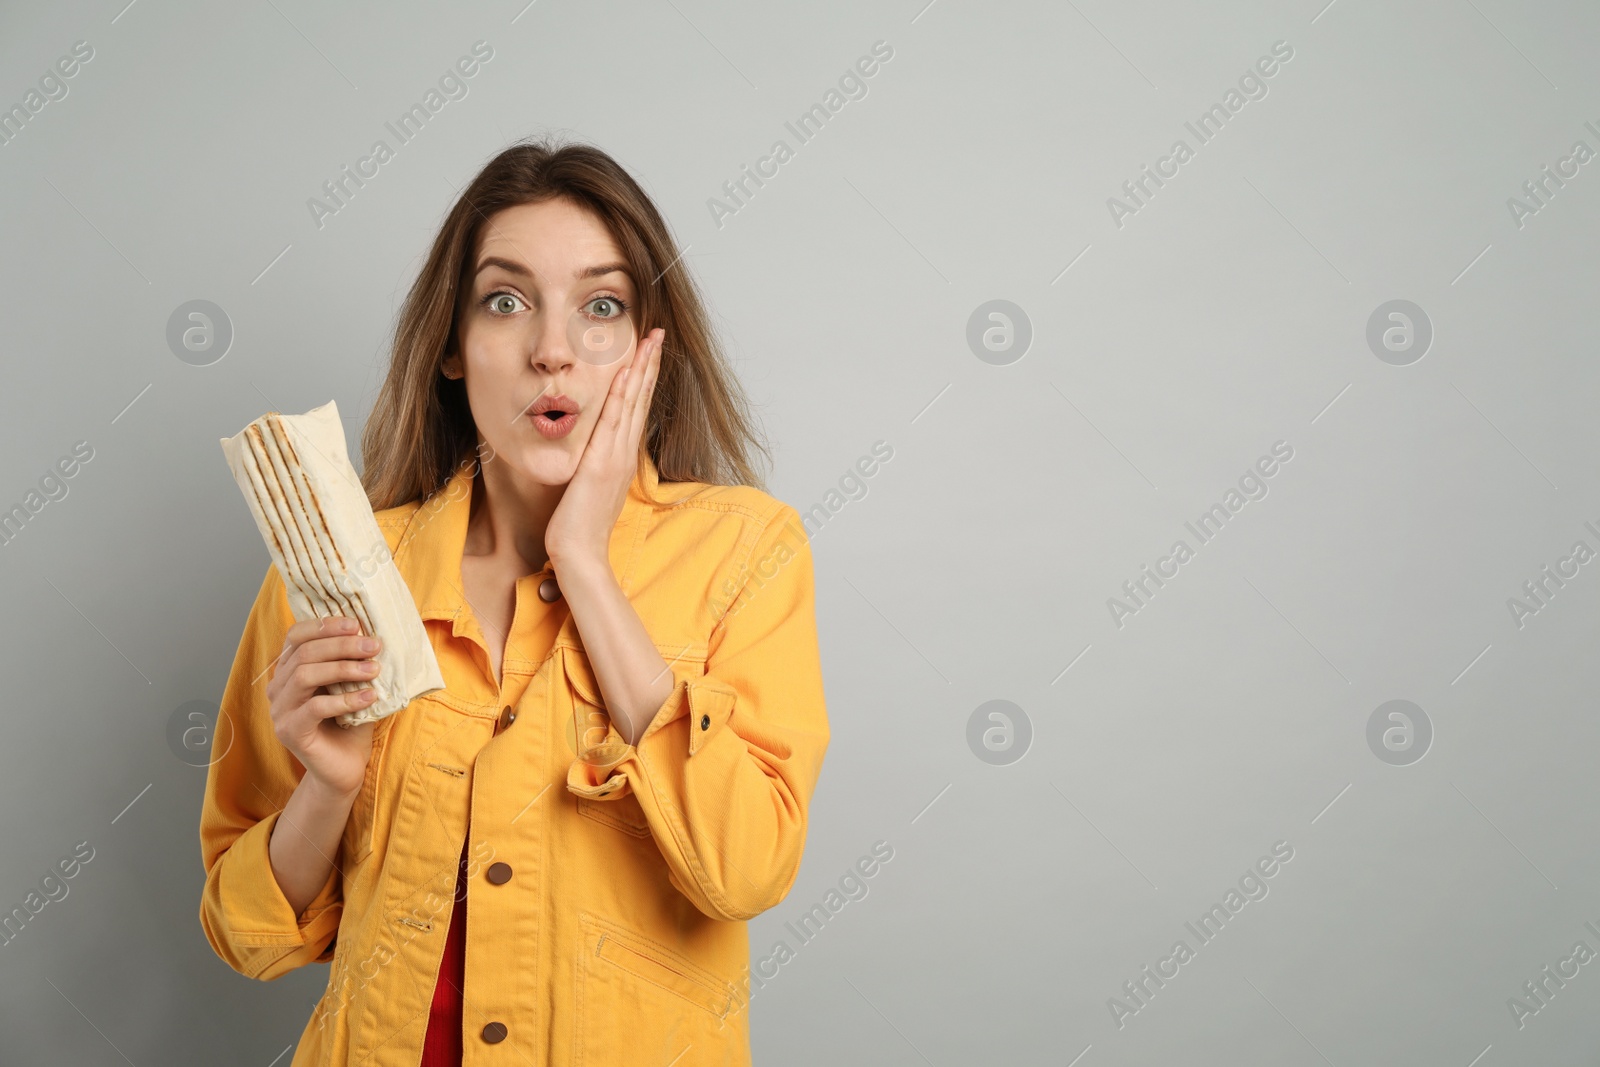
(430, 547)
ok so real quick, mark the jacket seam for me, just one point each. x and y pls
(641, 525)
(710, 505)
(707, 979)
(666, 989)
(381, 902)
(749, 545)
(750, 533)
(270, 961)
(701, 877)
(267, 939)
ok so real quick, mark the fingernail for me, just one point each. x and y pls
(369, 644)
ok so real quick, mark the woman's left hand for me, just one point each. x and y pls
(580, 528)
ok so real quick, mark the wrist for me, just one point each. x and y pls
(580, 565)
(324, 794)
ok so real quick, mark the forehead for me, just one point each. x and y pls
(555, 237)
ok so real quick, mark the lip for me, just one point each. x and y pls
(553, 428)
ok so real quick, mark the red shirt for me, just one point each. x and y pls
(442, 1046)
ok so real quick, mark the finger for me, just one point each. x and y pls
(327, 705)
(298, 634)
(616, 421)
(611, 411)
(308, 629)
(639, 369)
(352, 646)
(653, 371)
(313, 676)
(307, 665)
(637, 363)
(639, 410)
(315, 649)
(635, 372)
(649, 358)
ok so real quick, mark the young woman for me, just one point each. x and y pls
(549, 861)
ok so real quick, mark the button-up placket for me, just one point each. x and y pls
(508, 826)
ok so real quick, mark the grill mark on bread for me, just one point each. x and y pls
(345, 602)
(308, 534)
(252, 457)
(311, 491)
(351, 600)
(303, 554)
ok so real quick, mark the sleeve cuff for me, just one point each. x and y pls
(258, 914)
(703, 704)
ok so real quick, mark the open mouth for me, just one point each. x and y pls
(553, 416)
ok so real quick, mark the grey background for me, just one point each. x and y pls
(1229, 313)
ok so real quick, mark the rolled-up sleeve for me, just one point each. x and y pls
(246, 917)
(725, 770)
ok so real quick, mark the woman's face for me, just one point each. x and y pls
(547, 276)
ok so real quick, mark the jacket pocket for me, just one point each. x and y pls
(639, 1002)
(358, 829)
(622, 814)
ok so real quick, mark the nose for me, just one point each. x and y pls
(551, 350)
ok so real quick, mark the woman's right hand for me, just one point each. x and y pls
(317, 653)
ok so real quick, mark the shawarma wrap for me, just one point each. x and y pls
(319, 529)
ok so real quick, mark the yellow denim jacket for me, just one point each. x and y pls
(607, 883)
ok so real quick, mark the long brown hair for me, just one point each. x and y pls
(699, 428)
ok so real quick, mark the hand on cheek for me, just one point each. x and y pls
(580, 528)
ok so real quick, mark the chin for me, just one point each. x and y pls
(546, 464)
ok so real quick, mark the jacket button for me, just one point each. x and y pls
(508, 715)
(499, 873)
(549, 591)
(705, 722)
(494, 1033)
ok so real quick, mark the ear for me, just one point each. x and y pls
(451, 366)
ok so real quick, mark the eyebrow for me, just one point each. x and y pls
(598, 271)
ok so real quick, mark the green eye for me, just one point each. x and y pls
(607, 307)
(501, 302)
